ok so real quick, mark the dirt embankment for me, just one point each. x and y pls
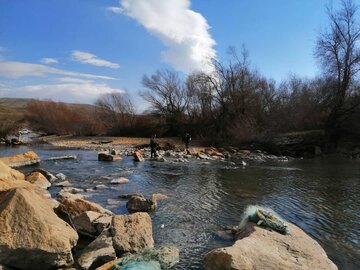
(100, 143)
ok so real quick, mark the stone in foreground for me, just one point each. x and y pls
(31, 234)
(7, 173)
(39, 180)
(261, 249)
(91, 223)
(49, 176)
(98, 252)
(132, 233)
(75, 204)
(25, 159)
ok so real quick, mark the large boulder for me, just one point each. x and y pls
(91, 223)
(75, 204)
(31, 234)
(140, 204)
(19, 160)
(259, 248)
(39, 180)
(6, 185)
(138, 156)
(132, 233)
(98, 252)
(7, 173)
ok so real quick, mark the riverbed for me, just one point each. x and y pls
(319, 195)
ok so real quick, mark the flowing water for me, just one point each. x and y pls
(321, 196)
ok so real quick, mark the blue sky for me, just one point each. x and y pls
(74, 50)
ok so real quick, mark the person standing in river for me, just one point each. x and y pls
(153, 145)
(187, 140)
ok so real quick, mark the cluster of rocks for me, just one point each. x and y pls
(39, 232)
(208, 154)
(168, 152)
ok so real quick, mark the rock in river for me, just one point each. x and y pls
(39, 180)
(49, 176)
(132, 233)
(262, 249)
(75, 204)
(158, 197)
(105, 157)
(121, 180)
(63, 184)
(140, 204)
(19, 160)
(31, 234)
(138, 156)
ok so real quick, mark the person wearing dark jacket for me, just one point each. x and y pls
(187, 140)
(153, 145)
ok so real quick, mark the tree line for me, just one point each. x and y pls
(235, 102)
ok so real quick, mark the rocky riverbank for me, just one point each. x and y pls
(41, 232)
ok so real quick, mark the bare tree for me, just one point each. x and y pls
(338, 50)
(168, 95)
(117, 111)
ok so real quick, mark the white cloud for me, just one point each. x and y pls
(49, 61)
(184, 32)
(117, 10)
(89, 58)
(15, 69)
(75, 92)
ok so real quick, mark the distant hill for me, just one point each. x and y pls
(15, 108)
(14, 102)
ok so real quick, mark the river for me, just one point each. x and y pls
(322, 196)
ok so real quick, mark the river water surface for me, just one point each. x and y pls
(319, 195)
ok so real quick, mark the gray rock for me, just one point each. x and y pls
(121, 180)
(63, 184)
(61, 176)
(98, 252)
(97, 187)
(84, 223)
